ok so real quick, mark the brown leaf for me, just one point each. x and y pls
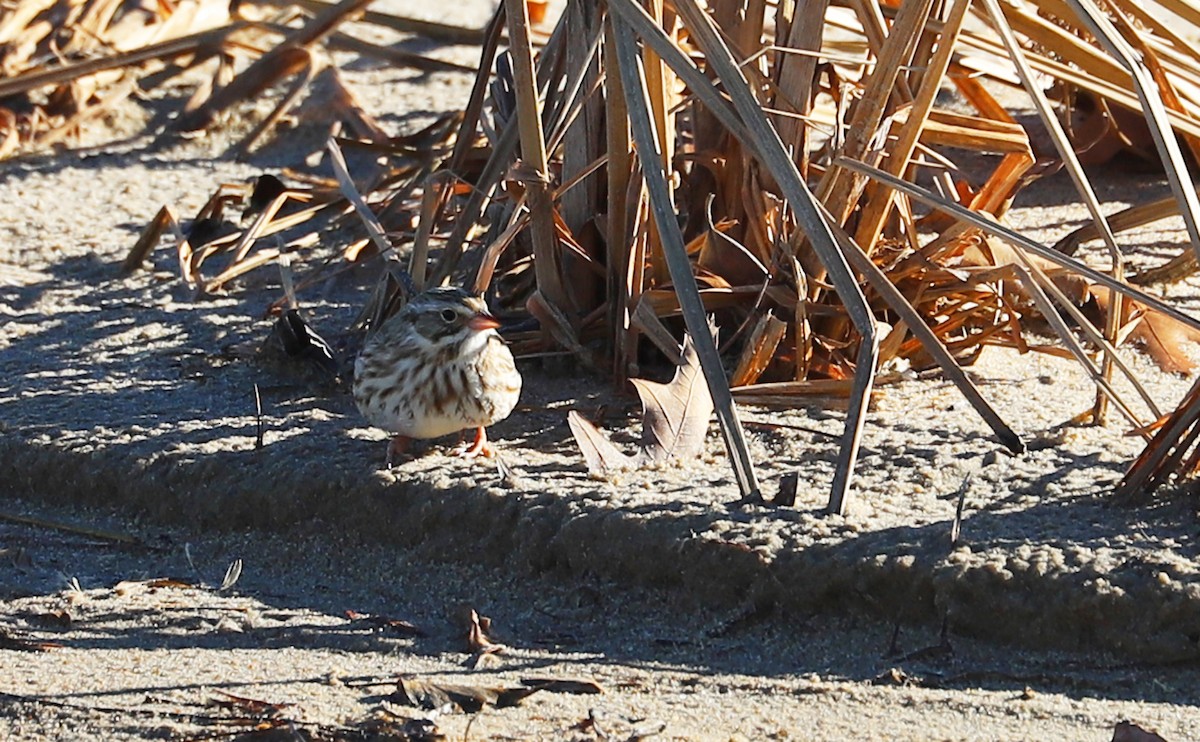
(726, 257)
(1160, 336)
(251, 705)
(169, 582)
(578, 686)
(1163, 339)
(599, 453)
(385, 623)
(478, 640)
(59, 619)
(9, 640)
(675, 415)
(1127, 731)
(469, 698)
(675, 419)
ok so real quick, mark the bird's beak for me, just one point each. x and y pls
(481, 322)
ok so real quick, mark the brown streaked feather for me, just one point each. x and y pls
(427, 372)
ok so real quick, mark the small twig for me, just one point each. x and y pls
(956, 528)
(350, 191)
(675, 253)
(267, 69)
(467, 731)
(258, 416)
(68, 528)
(428, 29)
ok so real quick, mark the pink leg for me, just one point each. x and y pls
(480, 447)
(398, 445)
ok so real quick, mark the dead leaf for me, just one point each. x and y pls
(250, 705)
(1127, 731)
(469, 698)
(58, 619)
(169, 582)
(577, 686)
(385, 725)
(385, 623)
(675, 414)
(478, 640)
(9, 640)
(1160, 336)
(727, 258)
(599, 453)
(477, 635)
(675, 420)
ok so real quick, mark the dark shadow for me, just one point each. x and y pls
(131, 392)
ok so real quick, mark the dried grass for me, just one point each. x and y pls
(755, 162)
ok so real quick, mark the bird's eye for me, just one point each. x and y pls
(449, 315)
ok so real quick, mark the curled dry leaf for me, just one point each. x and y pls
(1127, 731)
(478, 640)
(384, 623)
(1162, 338)
(469, 698)
(251, 706)
(675, 419)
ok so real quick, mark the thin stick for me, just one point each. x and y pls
(96, 533)
(765, 140)
(1017, 239)
(258, 417)
(929, 340)
(533, 153)
(164, 50)
(1067, 152)
(1144, 475)
(678, 263)
(265, 70)
(350, 191)
(1156, 114)
(428, 29)
(956, 527)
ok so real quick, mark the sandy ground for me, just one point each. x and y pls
(140, 657)
(1056, 615)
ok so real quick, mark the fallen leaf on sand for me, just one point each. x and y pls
(1126, 731)
(575, 686)
(384, 623)
(9, 640)
(478, 640)
(675, 419)
(250, 705)
(1163, 338)
(469, 698)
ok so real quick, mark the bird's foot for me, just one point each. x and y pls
(479, 447)
(398, 446)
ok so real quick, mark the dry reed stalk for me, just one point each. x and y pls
(847, 97)
(675, 252)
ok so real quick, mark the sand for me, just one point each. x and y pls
(128, 403)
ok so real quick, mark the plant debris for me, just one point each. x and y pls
(758, 163)
(24, 643)
(479, 644)
(469, 699)
(675, 420)
(385, 623)
(1127, 731)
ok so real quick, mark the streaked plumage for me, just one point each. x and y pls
(437, 367)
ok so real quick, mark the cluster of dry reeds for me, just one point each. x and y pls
(787, 167)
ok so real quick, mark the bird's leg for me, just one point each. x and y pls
(398, 445)
(479, 447)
